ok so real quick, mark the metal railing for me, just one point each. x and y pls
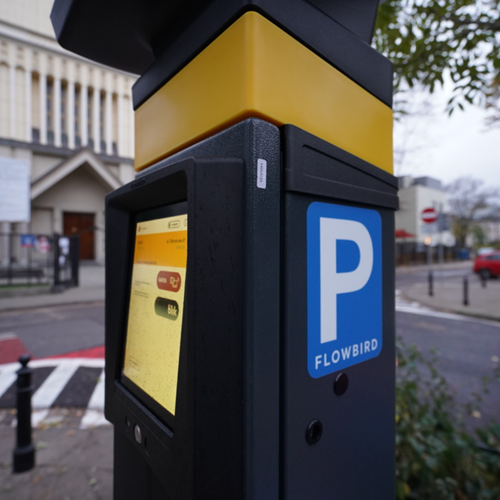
(38, 259)
(26, 259)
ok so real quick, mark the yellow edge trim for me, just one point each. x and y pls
(254, 69)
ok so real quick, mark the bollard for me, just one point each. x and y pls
(466, 291)
(431, 284)
(24, 453)
(484, 279)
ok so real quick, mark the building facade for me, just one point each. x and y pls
(412, 234)
(70, 119)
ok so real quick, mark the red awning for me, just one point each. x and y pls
(401, 233)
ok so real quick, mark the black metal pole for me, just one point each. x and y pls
(484, 279)
(11, 253)
(466, 291)
(57, 270)
(431, 284)
(24, 453)
(74, 254)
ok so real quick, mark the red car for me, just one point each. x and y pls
(488, 265)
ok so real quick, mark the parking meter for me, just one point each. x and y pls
(250, 264)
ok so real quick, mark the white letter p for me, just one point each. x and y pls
(333, 283)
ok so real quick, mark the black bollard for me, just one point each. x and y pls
(24, 453)
(431, 284)
(466, 291)
(484, 279)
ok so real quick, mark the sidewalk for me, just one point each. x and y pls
(448, 296)
(71, 464)
(91, 289)
(448, 266)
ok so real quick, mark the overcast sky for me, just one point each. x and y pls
(448, 147)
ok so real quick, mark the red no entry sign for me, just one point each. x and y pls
(429, 215)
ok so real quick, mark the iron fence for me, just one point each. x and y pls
(38, 259)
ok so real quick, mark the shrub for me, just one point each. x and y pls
(436, 457)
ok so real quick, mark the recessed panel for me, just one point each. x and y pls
(156, 308)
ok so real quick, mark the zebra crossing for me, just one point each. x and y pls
(59, 382)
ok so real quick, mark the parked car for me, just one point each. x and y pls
(488, 265)
(485, 250)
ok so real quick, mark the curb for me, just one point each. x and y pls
(487, 317)
(14, 309)
(18, 292)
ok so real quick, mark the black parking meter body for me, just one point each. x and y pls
(245, 398)
(284, 382)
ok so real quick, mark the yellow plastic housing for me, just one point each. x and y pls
(255, 69)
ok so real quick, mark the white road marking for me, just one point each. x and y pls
(7, 377)
(41, 363)
(402, 305)
(53, 385)
(93, 418)
(47, 393)
(8, 336)
(94, 415)
(97, 399)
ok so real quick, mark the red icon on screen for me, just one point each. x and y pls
(169, 281)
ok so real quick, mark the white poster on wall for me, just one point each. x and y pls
(14, 190)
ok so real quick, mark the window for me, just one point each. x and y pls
(35, 107)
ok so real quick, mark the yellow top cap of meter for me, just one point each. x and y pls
(254, 69)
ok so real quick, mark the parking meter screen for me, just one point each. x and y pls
(156, 308)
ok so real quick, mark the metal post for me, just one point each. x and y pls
(431, 284)
(483, 279)
(11, 253)
(74, 252)
(57, 270)
(466, 291)
(440, 230)
(59, 285)
(24, 453)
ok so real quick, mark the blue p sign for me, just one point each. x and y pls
(344, 286)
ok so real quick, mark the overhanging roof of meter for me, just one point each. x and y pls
(157, 38)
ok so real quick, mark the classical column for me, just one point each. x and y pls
(70, 113)
(43, 108)
(119, 117)
(84, 100)
(28, 80)
(96, 132)
(57, 111)
(12, 97)
(109, 122)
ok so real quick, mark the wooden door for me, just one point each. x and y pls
(82, 225)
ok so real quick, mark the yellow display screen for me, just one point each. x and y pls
(156, 308)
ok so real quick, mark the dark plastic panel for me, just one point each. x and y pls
(358, 17)
(241, 410)
(189, 462)
(317, 167)
(354, 459)
(157, 39)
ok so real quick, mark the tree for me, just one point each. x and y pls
(466, 196)
(429, 39)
